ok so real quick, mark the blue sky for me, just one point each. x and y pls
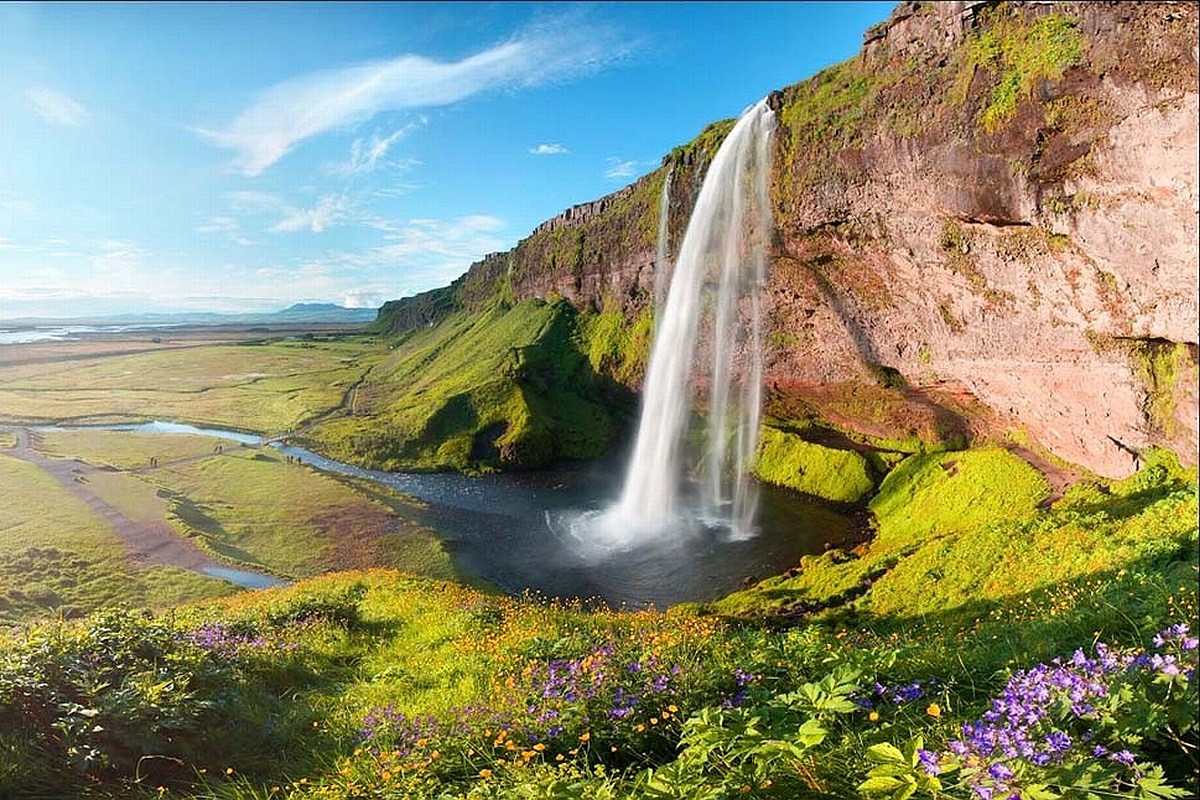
(236, 157)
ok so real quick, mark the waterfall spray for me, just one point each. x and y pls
(718, 275)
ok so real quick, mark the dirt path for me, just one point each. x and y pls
(148, 542)
(1059, 477)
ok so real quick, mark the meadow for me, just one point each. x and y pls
(1047, 651)
(270, 388)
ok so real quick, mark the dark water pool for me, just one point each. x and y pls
(518, 531)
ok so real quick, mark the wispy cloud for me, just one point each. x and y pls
(230, 227)
(219, 225)
(118, 260)
(57, 107)
(330, 210)
(619, 168)
(369, 154)
(551, 149)
(249, 200)
(294, 110)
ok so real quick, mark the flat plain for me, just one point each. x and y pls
(92, 517)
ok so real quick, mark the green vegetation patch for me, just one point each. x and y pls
(125, 450)
(58, 557)
(785, 459)
(259, 387)
(966, 546)
(503, 387)
(615, 345)
(374, 684)
(252, 508)
(934, 494)
(1019, 55)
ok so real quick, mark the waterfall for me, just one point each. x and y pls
(719, 272)
(661, 267)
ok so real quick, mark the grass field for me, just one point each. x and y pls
(248, 505)
(57, 556)
(267, 388)
(245, 506)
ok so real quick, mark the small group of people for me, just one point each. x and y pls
(295, 460)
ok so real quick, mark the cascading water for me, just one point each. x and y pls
(662, 269)
(718, 274)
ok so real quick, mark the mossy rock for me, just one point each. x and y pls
(785, 459)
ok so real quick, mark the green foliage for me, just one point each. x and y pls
(938, 493)
(785, 459)
(388, 686)
(1161, 366)
(615, 345)
(501, 387)
(1020, 55)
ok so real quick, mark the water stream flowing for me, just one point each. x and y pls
(714, 290)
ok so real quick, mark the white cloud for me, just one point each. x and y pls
(118, 260)
(219, 225)
(6, 243)
(290, 112)
(620, 168)
(470, 237)
(366, 155)
(230, 227)
(57, 107)
(364, 297)
(244, 200)
(16, 205)
(551, 149)
(330, 210)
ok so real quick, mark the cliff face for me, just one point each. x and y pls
(986, 225)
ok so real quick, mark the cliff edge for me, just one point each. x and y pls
(986, 228)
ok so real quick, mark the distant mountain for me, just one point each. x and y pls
(323, 312)
(296, 314)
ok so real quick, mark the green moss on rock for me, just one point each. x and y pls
(940, 493)
(785, 459)
(1019, 55)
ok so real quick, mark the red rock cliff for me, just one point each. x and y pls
(986, 226)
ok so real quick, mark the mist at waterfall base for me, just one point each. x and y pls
(683, 481)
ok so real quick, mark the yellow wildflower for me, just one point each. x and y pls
(934, 710)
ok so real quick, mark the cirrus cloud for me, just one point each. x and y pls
(289, 112)
(57, 107)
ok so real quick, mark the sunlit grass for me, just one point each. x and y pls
(270, 388)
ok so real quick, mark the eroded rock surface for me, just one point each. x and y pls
(986, 226)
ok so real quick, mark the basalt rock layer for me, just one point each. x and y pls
(986, 228)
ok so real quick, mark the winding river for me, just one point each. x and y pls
(515, 530)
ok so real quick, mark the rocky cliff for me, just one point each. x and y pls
(986, 228)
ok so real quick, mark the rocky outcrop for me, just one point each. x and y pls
(986, 226)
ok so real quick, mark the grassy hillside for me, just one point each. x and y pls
(382, 685)
(509, 387)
